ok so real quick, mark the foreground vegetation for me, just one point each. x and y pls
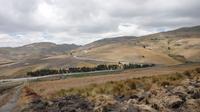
(172, 92)
(126, 87)
(167, 93)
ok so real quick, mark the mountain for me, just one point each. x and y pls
(105, 41)
(172, 47)
(16, 62)
(166, 48)
(35, 50)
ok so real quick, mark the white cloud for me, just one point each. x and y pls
(80, 21)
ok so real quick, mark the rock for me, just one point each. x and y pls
(39, 105)
(133, 97)
(175, 103)
(190, 89)
(141, 98)
(109, 108)
(131, 109)
(186, 81)
(66, 104)
(50, 103)
(144, 108)
(154, 92)
(144, 95)
(191, 105)
(181, 92)
(195, 83)
(132, 101)
(196, 94)
(155, 106)
(179, 89)
(122, 98)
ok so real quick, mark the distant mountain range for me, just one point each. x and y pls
(35, 50)
(166, 48)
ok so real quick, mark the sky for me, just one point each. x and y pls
(83, 21)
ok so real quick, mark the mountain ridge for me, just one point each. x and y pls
(175, 46)
(166, 48)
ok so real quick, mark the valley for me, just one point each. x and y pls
(174, 53)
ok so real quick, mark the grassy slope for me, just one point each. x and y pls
(57, 62)
(48, 88)
(167, 48)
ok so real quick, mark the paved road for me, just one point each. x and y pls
(49, 76)
(93, 59)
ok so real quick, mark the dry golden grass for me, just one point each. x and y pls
(155, 50)
(131, 53)
(124, 87)
(20, 69)
(131, 86)
(47, 88)
(56, 57)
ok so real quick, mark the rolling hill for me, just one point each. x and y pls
(166, 48)
(34, 51)
(17, 61)
(172, 47)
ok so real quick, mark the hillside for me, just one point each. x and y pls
(172, 47)
(35, 50)
(17, 61)
(106, 41)
(165, 48)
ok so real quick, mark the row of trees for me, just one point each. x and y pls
(132, 66)
(44, 72)
(89, 69)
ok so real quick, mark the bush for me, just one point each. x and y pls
(165, 83)
(131, 84)
(133, 66)
(175, 77)
(197, 70)
(44, 72)
(187, 73)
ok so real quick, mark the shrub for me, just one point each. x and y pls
(175, 77)
(133, 66)
(187, 73)
(197, 70)
(165, 83)
(131, 84)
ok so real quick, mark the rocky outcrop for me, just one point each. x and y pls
(181, 97)
(73, 103)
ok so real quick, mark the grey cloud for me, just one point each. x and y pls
(92, 18)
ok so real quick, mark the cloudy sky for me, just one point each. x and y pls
(82, 21)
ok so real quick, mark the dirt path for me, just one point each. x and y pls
(92, 59)
(11, 104)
